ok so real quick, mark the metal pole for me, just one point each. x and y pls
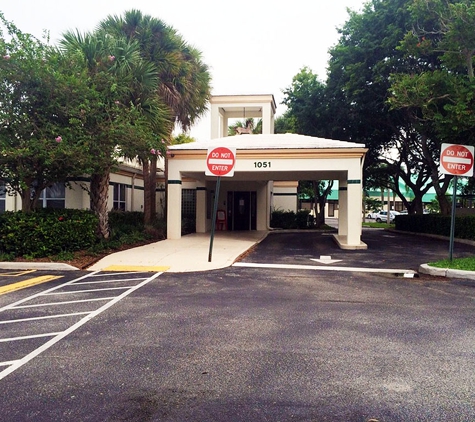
(213, 218)
(452, 221)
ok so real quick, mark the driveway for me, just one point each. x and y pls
(386, 250)
(262, 344)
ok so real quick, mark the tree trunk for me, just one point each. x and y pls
(99, 201)
(444, 204)
(440, 191)
(153, 187)
(147, 207)
(26, 202)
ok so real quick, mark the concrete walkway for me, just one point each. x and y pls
(190, 253)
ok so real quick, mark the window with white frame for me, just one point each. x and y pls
(53, 197)
(119, 196)
(3, 196)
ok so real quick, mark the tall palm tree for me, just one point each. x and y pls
(125, 109)
(184, 80)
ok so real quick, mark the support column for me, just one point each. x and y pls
(350, 198)
(355, 212)
(224, 128)
(174, 210)
(342, 208)
(201, 209)
(267, 120)
(216, 118)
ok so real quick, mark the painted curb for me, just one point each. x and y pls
(47, 266)
(446, 272)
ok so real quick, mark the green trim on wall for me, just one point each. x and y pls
(343, 188)
(354, 182)
(174, 182)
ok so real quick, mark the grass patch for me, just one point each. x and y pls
(465, 264)
(378, 225)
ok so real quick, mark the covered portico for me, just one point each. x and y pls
(261, 160)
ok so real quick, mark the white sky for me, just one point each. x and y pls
(251, 46)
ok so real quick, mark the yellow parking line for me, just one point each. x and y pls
(135, 268)
(27, 283)
(17, 273)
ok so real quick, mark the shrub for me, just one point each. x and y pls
(46, 232)
(302, 219)
(437, 224)
(283, 219)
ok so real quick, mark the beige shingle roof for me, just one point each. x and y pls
(275, 141)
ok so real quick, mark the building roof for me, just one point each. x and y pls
(273, 141)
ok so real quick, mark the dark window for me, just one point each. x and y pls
(188, 203)
(119, 196)
(2, 196)
(53, 197)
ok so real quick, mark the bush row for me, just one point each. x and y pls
(291, 220)
(46, 232)
(437, 224)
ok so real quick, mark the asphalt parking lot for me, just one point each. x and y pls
(257, 344)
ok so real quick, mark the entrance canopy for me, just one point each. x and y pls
(278, 157)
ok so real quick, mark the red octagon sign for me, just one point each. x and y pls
(220, 161)
(456, 159)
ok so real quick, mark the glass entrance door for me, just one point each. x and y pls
(242, 210)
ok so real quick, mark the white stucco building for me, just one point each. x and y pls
(265, 164)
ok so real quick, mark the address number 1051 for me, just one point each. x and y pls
(262, 164)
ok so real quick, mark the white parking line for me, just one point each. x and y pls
(321, 268)
(4, 340)
(88, 291)
(14, 365)
(108, 281)
(8, 363)
(63, 303)
(14, 305)
(10, 321)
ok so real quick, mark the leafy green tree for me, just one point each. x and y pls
(41, 138)
(318, 191)
(361, 71)
(116, 118)
(307, 104)
(284, 124)
(439, 97)
(307, 114)
(184, 80)
(182, 138)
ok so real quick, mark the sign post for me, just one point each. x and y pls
(220, 161)
(456, 160)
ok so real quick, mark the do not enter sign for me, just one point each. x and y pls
(220, 161)
(456, 159)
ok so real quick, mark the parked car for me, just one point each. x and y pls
(372, 215)
(382, 216)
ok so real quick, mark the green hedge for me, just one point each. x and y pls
(125, 222)
(290, 220)
(437, 224)
(46, 232)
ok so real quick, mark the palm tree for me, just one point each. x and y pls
(125, 110)
(184, 80)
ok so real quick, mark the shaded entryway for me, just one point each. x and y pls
(242, 210)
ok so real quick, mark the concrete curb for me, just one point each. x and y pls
(46, 266)
(446, 272)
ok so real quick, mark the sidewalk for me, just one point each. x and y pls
(190, 253)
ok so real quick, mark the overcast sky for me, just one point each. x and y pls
(251, 47)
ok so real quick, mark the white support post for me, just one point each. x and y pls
(342, 208)
(200, 209)
(174, 210)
